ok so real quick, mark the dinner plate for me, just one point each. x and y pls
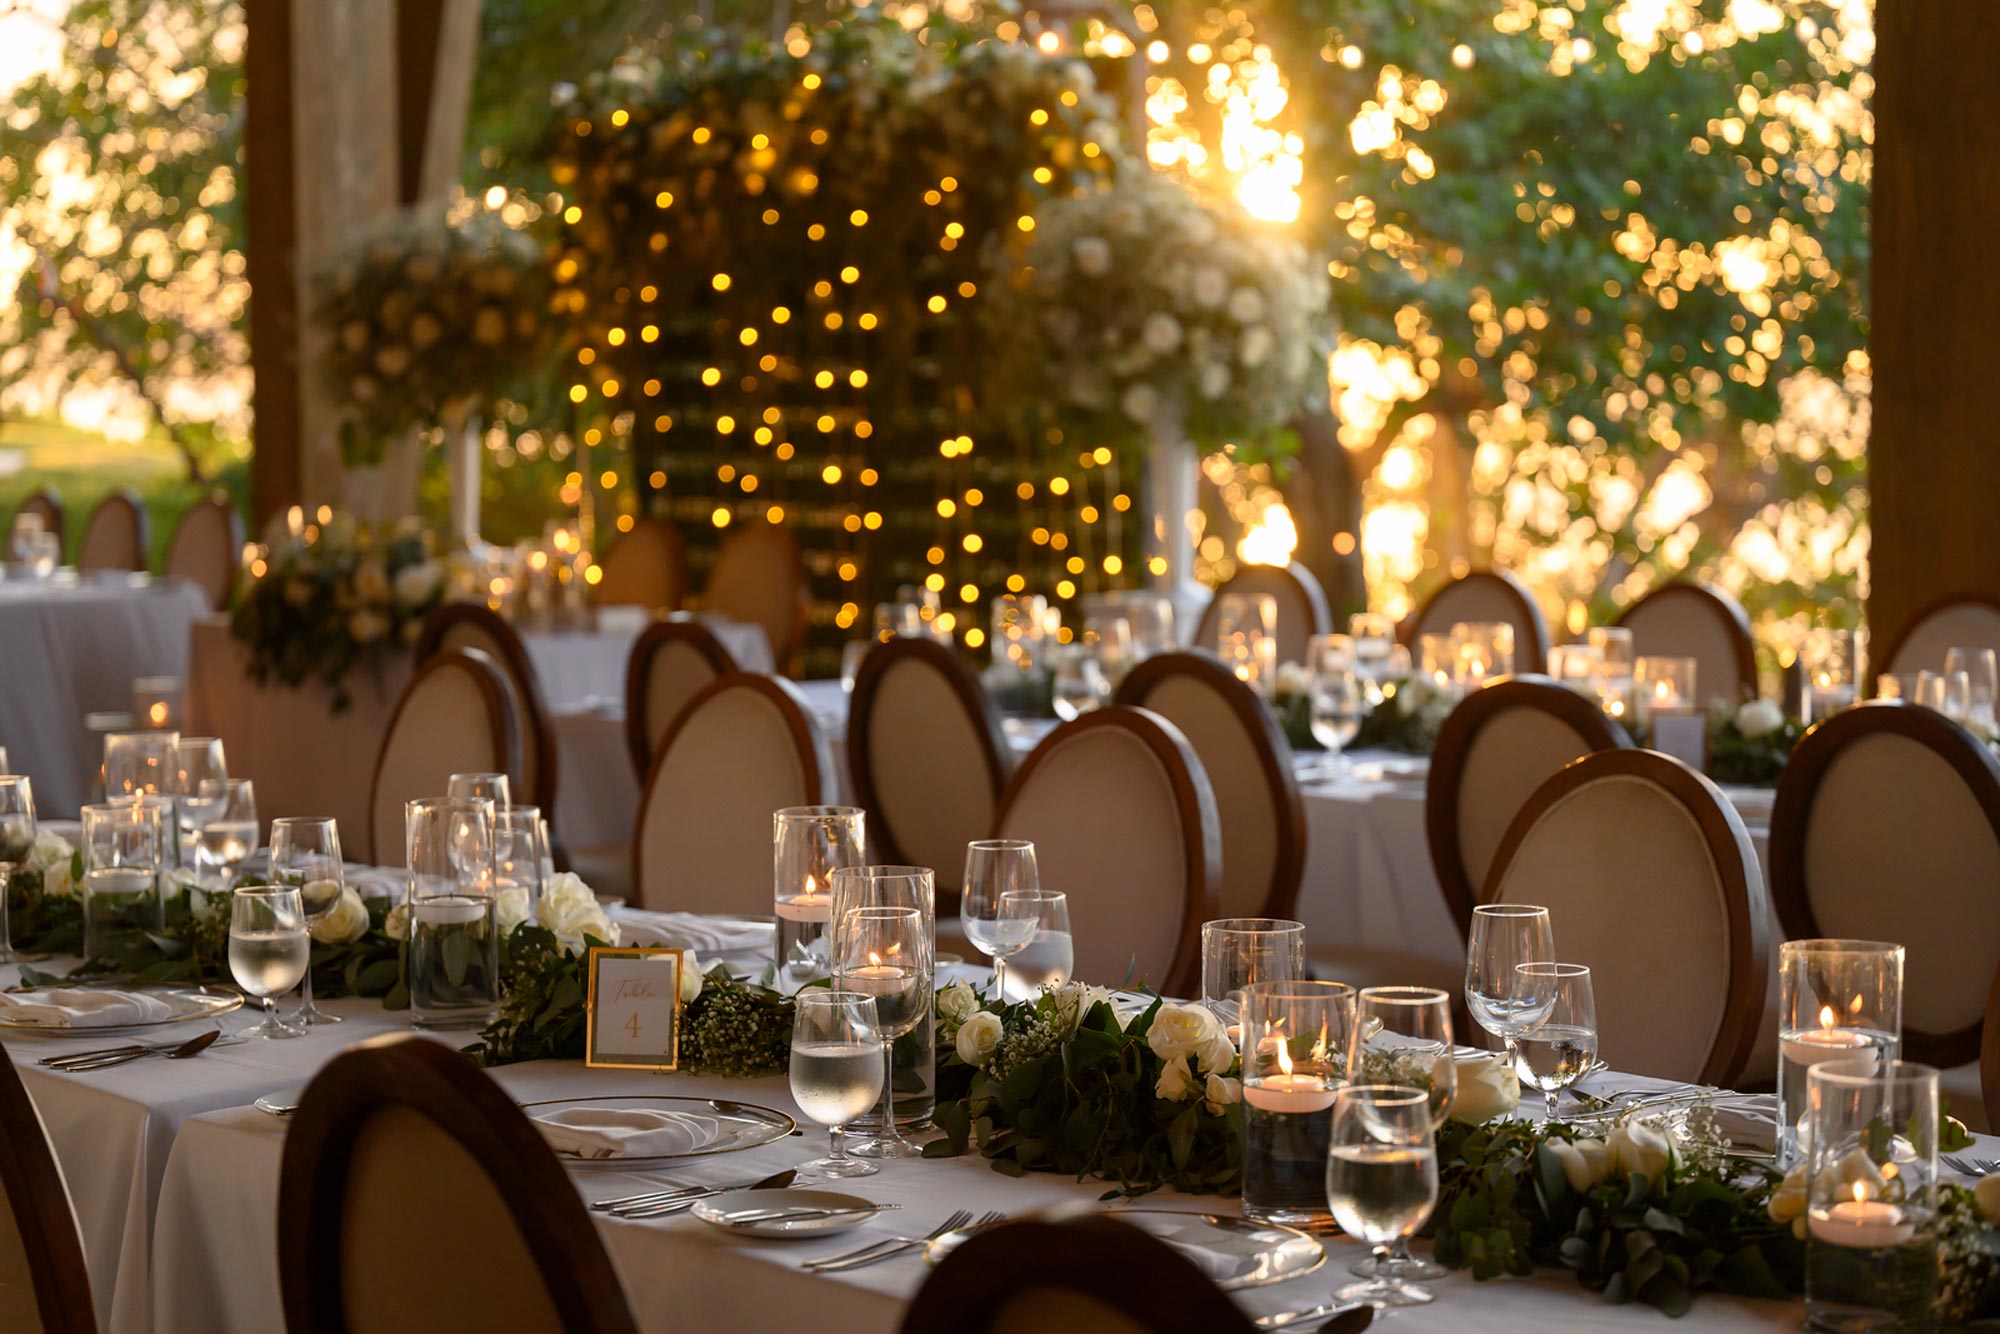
(1234, 1252)
(749, 1212)
(282, 1103)
(735, 1125)
(187, 1004)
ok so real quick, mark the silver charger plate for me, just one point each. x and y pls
(739, 1125)
(1234, 1252)
(188, 1004)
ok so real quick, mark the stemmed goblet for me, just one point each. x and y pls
(268, 947)
(1402, 1035)
(1382, 1179)
(1559, 1043)
(305, 853)
(886, 953)
(1039, 920)
(1503, 937)
(992, 867)
(836, 1070)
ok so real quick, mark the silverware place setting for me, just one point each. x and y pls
(890, 1247)
(106, 1057)
(658, 1203)
(1334, 1317)
(1966, 1165)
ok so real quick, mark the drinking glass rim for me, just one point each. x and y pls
(264, 891)
(296, 820)
(1376, 1094)
(1867, 1073)
(1297, 988)
(803, 813)
(1839, 945)
(880, 872)
(1255, 926)
(826, 997)
(1403, 995)
(884, 911)
(1000, 844)
(1035, 895)
(1543, 968)
(1509, 910)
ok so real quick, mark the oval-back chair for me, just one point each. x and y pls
(1487, 596)
(670, 664)
(45, 503)
(454, 716)
(206, 548)
(44, 1287)
(646, 566)
(115, 536)
(759, 576)
(474, 625)
(1688, 620)
(1302, 611)
(1958, 620)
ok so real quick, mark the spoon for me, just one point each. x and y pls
(1339, 1317)
(192, 1047)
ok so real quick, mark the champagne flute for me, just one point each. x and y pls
(305, 853)
(836, 1071)
(1559, 1043)
(1382, 1179)
(1402, 1035)
(491, 787)
(268, 947)
(199, 784)
(17, 844)
(992, 867)
(232, 833)
(886, 953)
(1503, 936)
(1039, 918)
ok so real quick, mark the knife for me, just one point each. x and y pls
(674, 1204)
(764, 1216)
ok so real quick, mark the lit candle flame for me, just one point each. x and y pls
(1860, 1192)
(1319, 1047)
(1826, 1016)
(874, 959)
(1854, 1006)
(1284, 1058)
(810, 887)
(158, 713)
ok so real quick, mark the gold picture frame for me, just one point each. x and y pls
(635, 996)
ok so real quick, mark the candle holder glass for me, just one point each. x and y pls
(1576, 666)
(1871, 1173)
(139, 762)
(1830, 661)
(1436, 664)
(1837, 1000)
(1246, 637)
(156, 702)
(1295, 1037)
(808, 843)
(1614, 648)
(1665, 684)
(913, 1069)
(1481, 651)
(121, 876)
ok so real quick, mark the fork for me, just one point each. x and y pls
(1962, 1166)
(897, 1246)
(956, 1219)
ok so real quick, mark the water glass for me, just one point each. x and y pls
(199, 785)
(138, 762)
(520, 850)
(915, 1054)
(230, 836)
(454, 948)
(1576, 666)
(1437, 664)
(1982, 672)
(809, 843)
(1109, 640)
(1294, 1043)
(1503, 937)
(992, 867)
(168, 811)
(1246, 637)
(489, 787)
(21, 538)
(305, 854)
(1237, 952)
(122, 850)
(1382, 1180)
(1079, 685)
(836, 1070)
(1871, 1212)
(1338, 703)
(898, 620)
(1838, 1000)
(17, 843)
(1941, 693)
(1040, 918)
(886, 953)
(1374, 635)
(268, 947)
(1481, 651)
(1558, 1045)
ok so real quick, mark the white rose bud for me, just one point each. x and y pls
(1179, 1030)
(1640, 1147)
(345, 922)
(977, 1037)
(1487, 1087)
(510, 909)
(570, 912)
(1176, 1082)
(1575, 1170)
(1217, 1054)
(1220, 1092)
(957, 1003)
(1987, 1193)
(396, 925)
(692, 976)
(1760, 717)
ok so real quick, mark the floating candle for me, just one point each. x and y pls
(806, 908)
(1862, 1224)
(1288, 1093)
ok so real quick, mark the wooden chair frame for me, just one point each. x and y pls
(1749, 933)
(1791, 815)
(1882, 657)
(1530, 658)
(231, 517)
(676, 547)
(1447, 769)
(499, 716)
(527, 683)
(639, 671)
(31, 1182)
(125, 498)
(1274, 758)
(1718, 603)
(782, 655)
(1201, 829)
(1309, 589)
(447, 1089)
(1989, 1056)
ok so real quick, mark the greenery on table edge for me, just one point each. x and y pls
(1406, 719)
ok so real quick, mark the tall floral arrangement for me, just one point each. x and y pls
(1145, 303)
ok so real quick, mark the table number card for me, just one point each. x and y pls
(1682, 734)
(632, 1020)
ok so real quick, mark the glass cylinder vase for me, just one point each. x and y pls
(1871, 1218)
(454, 946)
(1294, 1059)
(123, 846)
(915, 1080)
(808, 843)
(1837, 999)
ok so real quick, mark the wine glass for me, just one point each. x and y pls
(1559, 1042)
(519, 840)
(886, 953)
(1504, 936)
(992, 867)
(268, 947)
(305, 853)
(17, 842)
(836, 1070)
(1079, 684)
(198, 783)
(231, 834)
(1402, 1035)
(138, 762)
(1382, 1179)
(1040, 919)
(1239, 951)
(491, 787)
(1111, 643)
(1982, 674)
(1338, 703)
(1246, 637)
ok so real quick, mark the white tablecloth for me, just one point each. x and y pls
(73, 646)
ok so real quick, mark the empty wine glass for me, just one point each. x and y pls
(886, 953)
(491, 787)
(1110, 641)
(198, 784)
(1503, 936)
(1382, 1179)
(1239, 951)
(836, 1070)
(1982, 675)
(1559, 1042)
(992, 867)
(231, 834)
(1040, 918)
(1246, 637)
(1338, 704)
(138, 762)
(519, 842)
(305, 854)
(17, 842)
(268, 947)
(1402, 1035)
(1079, 684)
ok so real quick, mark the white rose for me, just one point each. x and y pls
(1585, 1162)
(1987, 1192)
(1758, 718)
(1093, 256)
(1176, 1082)
(367, 626)
(1071, 1003)
(510, 909)
(50, 850)
(977, 1038)
(1292, 679)
(1640, 1147)
(1211, 288)
(1220, 1092)
(1180, 1030)
(1257, 344)
(418, 584)
(570, 912)
(1139, 402)
(1161, 332)
(396, 925)
(1788, 1202)
(1217, 1055)
(1246, 305)
(957, 1003)
(1487, 1087)
(692, 976)
(345, 922)
(371, 581)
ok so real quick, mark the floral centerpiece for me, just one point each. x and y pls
(1403, 714)
(1750, 744)
(326, 597)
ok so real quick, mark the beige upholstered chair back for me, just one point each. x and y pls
(1487, 595)
(1703, 623)
(44, 1288)
(415, 1195)
(115, 537)
(1879, 804)
(670, 664)
(743, 748)
(473, 626)
(927, 756)
(1651, 880)
(454, 717)
(46, 505)
(646, 567)
(1498, 746)
(1124, 822)
(759, 577)
(1249, 767)
(1958, 622)
(1302, 609)
(207, 549)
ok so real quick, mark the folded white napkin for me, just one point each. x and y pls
(81, 1007)
(611, 1132)
(694, 931)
